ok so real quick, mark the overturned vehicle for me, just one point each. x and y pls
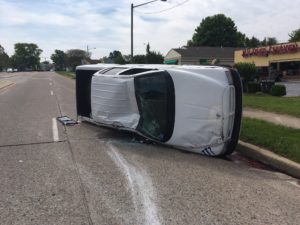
(194, 108)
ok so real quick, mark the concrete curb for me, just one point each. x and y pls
(5, 84)
(269, 158)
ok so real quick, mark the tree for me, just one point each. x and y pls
(4, 59)
(295, 36)
(75, 57)
(153, 57)
(189, 43)
(116, 57)
(269, 41)
(27, 56)
(119, 60)
(217, 30)
(252, 42)
(59, 59)
(127, 58)
(241, 40)
(139, 59)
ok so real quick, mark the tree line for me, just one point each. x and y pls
(151, 57)
(217, 30)
(221, 31)
(27, 57)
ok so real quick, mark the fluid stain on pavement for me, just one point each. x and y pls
(238, 158)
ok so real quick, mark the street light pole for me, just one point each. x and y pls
(131, 59)
(87, 49)
(132, 7)
(87, 52)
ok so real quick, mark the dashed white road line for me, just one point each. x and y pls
(141, 188)
(51, 92)
(50, 83)
(55, 130)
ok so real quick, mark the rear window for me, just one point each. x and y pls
(156, 103)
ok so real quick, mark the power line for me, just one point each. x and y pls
(164, 10)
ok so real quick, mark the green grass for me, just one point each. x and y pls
(66, 74)
(282, 105)
(281, 140)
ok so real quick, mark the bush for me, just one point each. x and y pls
(247, 70)
(253, 87)
(278, 90)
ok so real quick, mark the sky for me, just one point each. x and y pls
(104, 25)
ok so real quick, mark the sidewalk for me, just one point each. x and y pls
(263, 155)
(279, 119)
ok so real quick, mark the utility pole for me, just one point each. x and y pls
(132, 7)
(88, 49)
(131, 59)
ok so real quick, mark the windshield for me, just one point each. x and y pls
(156, 102)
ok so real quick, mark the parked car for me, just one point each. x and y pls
(9, 70)
(194, 108)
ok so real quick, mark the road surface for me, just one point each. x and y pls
(86, 174)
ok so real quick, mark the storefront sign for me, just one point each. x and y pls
(273, 50)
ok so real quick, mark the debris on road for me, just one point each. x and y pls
(66, 121)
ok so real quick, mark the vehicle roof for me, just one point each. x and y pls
(150, 66)
(98, 66)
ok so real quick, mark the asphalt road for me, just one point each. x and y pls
(90, 175)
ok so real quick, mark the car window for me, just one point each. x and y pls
(113, 71)
(156, 102)
(135, 71)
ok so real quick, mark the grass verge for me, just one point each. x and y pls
(67, 74)
(282, 105)
(281, 140)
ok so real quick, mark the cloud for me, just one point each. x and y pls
(66, 24)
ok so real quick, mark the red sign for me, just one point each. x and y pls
(273, 50)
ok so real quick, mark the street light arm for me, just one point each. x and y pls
(135, 6)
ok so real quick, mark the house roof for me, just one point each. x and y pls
(208, 52)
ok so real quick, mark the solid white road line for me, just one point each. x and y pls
(51, 92)
(55, 130)
(141, 187)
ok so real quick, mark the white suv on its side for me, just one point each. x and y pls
(195, 108)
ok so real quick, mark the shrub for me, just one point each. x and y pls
(253, 87)
(247, 70)
(278, 90)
